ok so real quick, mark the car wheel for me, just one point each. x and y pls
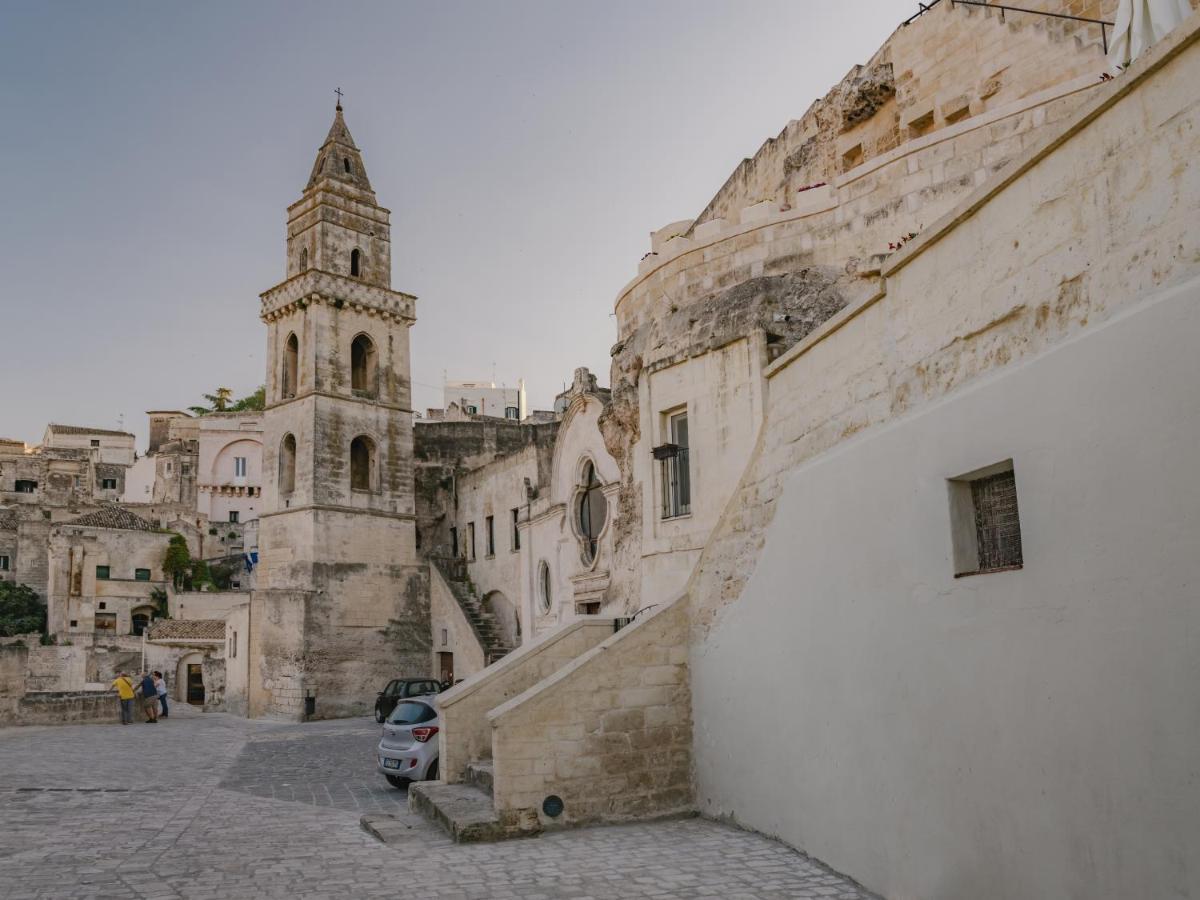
(396, 781)
(379, 716)
(432, 774)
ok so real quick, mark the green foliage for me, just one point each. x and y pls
(200, 575)
(222, 574)
(222, 401)
(161, 608)
(21, 612)
(177, 561)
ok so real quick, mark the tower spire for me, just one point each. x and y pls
(338, 157)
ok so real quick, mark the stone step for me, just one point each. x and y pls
(481, 775)
(465, 812)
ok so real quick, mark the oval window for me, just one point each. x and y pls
(591, 510)
(544, 590)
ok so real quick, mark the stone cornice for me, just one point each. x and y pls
(316, 286)
(333, 507)
(366, 401)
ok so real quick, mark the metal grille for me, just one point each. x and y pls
(997, 524)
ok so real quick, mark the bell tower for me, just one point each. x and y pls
(343, 600)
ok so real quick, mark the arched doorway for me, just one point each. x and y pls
(505, 614)
(189, 679)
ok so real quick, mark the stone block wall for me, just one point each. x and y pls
(61, 708)
(56, 668)
(466, 733)
(610, 734)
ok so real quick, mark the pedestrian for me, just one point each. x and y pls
(149, 698)
(160, 685)
(124, 688)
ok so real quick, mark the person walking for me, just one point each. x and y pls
(124, 688)
(149, 698)
(160, 685)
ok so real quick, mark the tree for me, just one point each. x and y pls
(177, 561)
(222, 401)
(21, 612)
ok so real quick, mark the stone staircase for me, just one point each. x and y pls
(483, 623)
(467, 811)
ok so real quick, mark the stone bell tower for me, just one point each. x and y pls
(343, 603)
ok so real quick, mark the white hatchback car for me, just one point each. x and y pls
(408, 750)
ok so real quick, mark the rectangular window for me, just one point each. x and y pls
(102, 573)
(141, 574)
(239, 466)
(985, 521)
(25, 486)
(445, 637)
(516, 534)
(675, 471)
(511, 412)
(234, 516)
(3, 563)
(489, 524)
(454, 543)
(233, 645)
(472, 410)
(185, 468)
(471, 540)
(95, 442)
(108, 484)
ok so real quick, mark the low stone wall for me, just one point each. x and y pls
(61, 708)
(466, 733)
(610, 733)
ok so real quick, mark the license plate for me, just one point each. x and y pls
(391, 763)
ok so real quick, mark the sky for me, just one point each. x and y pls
(149, 151)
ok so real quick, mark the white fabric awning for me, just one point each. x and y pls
(1140, 24)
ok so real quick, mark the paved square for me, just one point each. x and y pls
(207, 806)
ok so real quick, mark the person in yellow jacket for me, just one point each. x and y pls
(124, 688)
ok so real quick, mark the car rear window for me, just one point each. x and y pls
(411, 714)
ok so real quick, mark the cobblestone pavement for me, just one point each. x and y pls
(207, 806)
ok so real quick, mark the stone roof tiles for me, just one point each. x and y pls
(80, 429)
(114, 517)
(187, 630)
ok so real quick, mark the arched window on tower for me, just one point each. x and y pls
(303, 259)
(346, 164)
(289, 377)
(355, 263)
(287, 466)
(363, 367)
(362, 464)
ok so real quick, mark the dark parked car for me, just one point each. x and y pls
(400, 688)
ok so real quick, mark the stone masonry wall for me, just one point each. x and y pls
(611, 733)
(466, 734)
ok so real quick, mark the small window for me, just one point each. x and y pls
(471, 410)
(511, 412)
(985, 521)
(287, 465)
(102, 573)
(168, 468)
(544, 590)
(289, 375)
(239, 467)
(103, 605)
(95, 442)
(490, 534)
(454, 543)
(471, 540)
(303, 259)
(74, 623)
(185, 468)
(4, 563)
(362, 464)
(355, 263)
(445, 637)
(675, 469)
(25, 486)
(141, 574)
(516, 532)
(363, 366)
(346, 164)
(234, 516)
(108, 484)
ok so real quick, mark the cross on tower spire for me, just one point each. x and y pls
(338, 91)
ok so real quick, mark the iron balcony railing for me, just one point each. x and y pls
(1104, 26)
